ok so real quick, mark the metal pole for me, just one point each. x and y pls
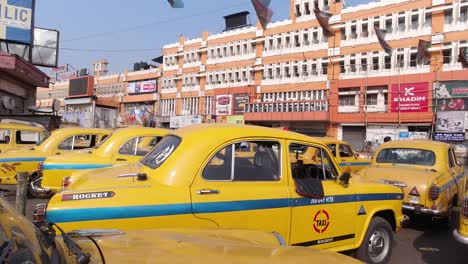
(22, 191)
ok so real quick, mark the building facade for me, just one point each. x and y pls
(291, 75)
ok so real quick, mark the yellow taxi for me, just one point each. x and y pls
(347, 158)
(461, 234)
(182, 183)
(58, 142)
(23, 242)
(123, 146)
(13, 136)
(427, 171)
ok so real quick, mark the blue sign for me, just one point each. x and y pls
(16, 17)
(404, 135)
(449, 136)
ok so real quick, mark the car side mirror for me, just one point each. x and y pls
(345, 176)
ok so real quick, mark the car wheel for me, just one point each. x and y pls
(376, 247)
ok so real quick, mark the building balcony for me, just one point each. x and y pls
(300, 79)
(386, 72)
(211, 86)
(190, 88)
(316, 110)
(170, 67)
(367, 38)
(456, 26)
(192, 64)
(224, 59)
(169, 90)
(313, 45)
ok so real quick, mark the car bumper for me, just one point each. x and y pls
(419, 209)
(460, 238)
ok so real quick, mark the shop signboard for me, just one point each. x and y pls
(453, 121)
(223, 104)
(237, 119)
(148, 86)
(16, 21)
(240, 100)
(137, 114)
(451, 89)
(181, 121)
(410, 97)
(448, 137)
(451, 104)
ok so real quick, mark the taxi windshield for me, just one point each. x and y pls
(406, 156)
(161, 152)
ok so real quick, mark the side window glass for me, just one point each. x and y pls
(84, 141)
(5, 136)
(450, 157)
(332, 148)
(24, 137)
(67, 144)
(145, 144)
(345, 151)
(245, 161)
(311, 162)
(454, 157)
(130, 147)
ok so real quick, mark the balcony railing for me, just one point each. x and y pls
(288, 106)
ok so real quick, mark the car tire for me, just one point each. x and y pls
(376, 248)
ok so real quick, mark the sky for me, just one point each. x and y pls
(125, 32)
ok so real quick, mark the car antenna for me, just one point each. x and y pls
(81, 257)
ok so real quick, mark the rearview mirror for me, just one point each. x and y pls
(345, 176)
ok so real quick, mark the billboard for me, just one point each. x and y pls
(410, 97)
(449, 136)
(240, 100)
(451, 89)
(451, 104)
(149, 86)
(62, 73)
(223, 104)
(453, 122)
(16, 20)
(181, 121)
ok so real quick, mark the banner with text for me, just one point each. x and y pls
(410, 97)
(451, 89)
(149, 86)
(239, 102)
(16, 20)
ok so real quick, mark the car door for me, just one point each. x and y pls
(456, 172)
(323, 209)
(243, 184)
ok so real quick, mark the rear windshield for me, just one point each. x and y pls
(161, 152)
(406, 156)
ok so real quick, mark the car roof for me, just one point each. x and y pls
(420, 144)
(73, 130)
(330, 140)
(20, 126)
(140, 129)
(223, 132)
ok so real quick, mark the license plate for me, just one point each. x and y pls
(414, 199)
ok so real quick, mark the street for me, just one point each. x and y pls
(420, 242)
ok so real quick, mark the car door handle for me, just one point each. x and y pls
(207, 191)
(119, 159)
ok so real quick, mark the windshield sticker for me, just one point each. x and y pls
(163, 155)
(406, 151)
(87, 196)
(321, 221)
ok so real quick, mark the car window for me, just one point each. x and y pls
(27, 137)
(345, 151)
(78, 142)
(262, 162)
(130, 147)
(313, 163)
(332, 148)
(161, 152)
(406, 156)
(5, 136)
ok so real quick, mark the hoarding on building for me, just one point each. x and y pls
(237, 119)
(451, 104)
(449, 137)
(451, 89)
(16, 20)
(453, 121)
(138, 114)
(62, 73)
(223, 104)
(181, 121)
(410, 97)
(239, 102)
(149, 86)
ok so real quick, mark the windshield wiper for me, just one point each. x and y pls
(81, 257)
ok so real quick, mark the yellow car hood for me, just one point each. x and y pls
(207, 246)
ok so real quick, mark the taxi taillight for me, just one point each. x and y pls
(66, 181)
(434, 192)
(39, 214)
(40, 167)
(465, 207)
(414, 192)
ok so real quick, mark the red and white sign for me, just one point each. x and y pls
(410, 97)
(142, 87)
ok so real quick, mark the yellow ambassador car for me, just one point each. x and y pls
(427, 171)
(182, 183)
(461, 235)
(58, 142)
(347, 159)
(13, 136)
(123, 146)
(22, 242)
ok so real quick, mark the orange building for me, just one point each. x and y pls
(291, 75)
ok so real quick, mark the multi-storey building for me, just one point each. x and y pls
(346, 85)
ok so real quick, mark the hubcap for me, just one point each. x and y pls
(379, 245)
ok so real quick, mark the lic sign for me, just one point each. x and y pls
(16, 20)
